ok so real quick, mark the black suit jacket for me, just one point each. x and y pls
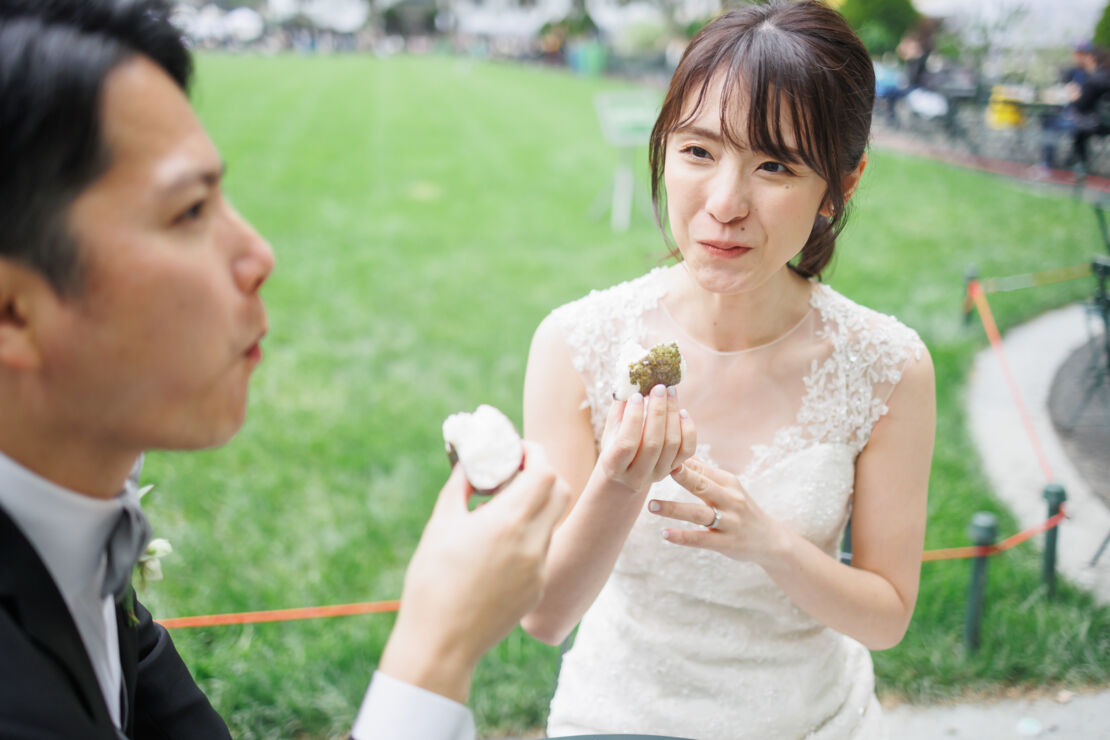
(47, 685)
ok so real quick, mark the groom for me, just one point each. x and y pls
(130, 319)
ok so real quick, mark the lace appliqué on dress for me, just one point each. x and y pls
(841, 404)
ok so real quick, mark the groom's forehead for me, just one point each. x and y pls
(157, 153)
(150, 130)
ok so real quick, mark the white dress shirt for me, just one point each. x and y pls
(70, 531)
(395, 710)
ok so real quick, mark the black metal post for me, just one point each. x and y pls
(1101, 217)
(846, 543)
(1101, 549)
(1055, 495)
(983, 531)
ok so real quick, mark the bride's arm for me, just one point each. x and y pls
(607, 492)
(873, 599)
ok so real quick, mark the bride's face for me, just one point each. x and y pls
(737, 216)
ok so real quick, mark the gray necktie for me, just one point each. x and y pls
(128, 540)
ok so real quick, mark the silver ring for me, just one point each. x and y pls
(716, 518)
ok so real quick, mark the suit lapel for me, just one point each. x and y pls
(41, 612)
(129, 661)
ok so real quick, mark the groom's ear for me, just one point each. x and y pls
(21, 291)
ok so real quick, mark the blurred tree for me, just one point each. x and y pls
(1102, 30)
(978, 38)
(880, 23)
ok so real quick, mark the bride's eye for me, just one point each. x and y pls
(776, 168)
(695, 151)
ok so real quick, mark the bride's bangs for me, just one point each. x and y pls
(782, 101)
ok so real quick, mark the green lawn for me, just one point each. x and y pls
(426, 214)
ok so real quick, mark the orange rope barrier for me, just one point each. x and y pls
(955, 553)
(975, 294)
(975, 290)
(281, 615)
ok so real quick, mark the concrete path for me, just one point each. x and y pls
(1065, 717)
(1035, 351)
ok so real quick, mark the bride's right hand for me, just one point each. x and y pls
(645, 439)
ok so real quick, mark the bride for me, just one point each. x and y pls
(702, 564)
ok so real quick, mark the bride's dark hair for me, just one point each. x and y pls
(793, 63)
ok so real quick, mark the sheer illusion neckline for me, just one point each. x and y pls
(736, 352)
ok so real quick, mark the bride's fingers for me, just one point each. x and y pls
(626, 440)
(699, 514)
(703, 538)
(654, 432)
(689, 437)
(716, 475)
(613, 420)
(690, 478)
(672, 441)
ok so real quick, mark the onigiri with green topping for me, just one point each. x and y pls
(639, 370)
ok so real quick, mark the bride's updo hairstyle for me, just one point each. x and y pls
(795, 64)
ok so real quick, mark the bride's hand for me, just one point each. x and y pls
(741, 530)
(645, 439)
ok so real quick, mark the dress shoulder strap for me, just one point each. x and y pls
(847, 394)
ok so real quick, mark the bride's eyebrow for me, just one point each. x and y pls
(699, 131)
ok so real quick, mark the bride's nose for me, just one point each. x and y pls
(728, 198)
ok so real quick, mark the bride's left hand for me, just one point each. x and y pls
(743, 530)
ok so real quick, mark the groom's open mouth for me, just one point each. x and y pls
(253, 353)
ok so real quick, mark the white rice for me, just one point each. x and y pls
(623, 387)
(487, 445)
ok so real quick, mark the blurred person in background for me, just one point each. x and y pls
(914, 51)
(131, 319)
(1085, 87)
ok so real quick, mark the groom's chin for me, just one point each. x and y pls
(202, 433)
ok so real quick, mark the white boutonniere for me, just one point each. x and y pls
(150, 562)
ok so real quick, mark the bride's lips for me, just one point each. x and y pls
(728, 250)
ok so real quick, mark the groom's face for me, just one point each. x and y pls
(156, 348)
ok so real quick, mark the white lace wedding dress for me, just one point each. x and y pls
(684, 641)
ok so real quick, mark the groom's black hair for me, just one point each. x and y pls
(54, 58)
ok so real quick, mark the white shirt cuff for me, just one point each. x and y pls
(395, 710)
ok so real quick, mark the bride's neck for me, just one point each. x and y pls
(738, 321)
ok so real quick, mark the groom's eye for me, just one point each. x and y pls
(191, 214)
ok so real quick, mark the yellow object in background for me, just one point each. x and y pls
(1003, 109)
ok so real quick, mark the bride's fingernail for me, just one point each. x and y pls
(684, 414)
(666, 534)
(636, 398)
(672, 391)
(653, 506)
